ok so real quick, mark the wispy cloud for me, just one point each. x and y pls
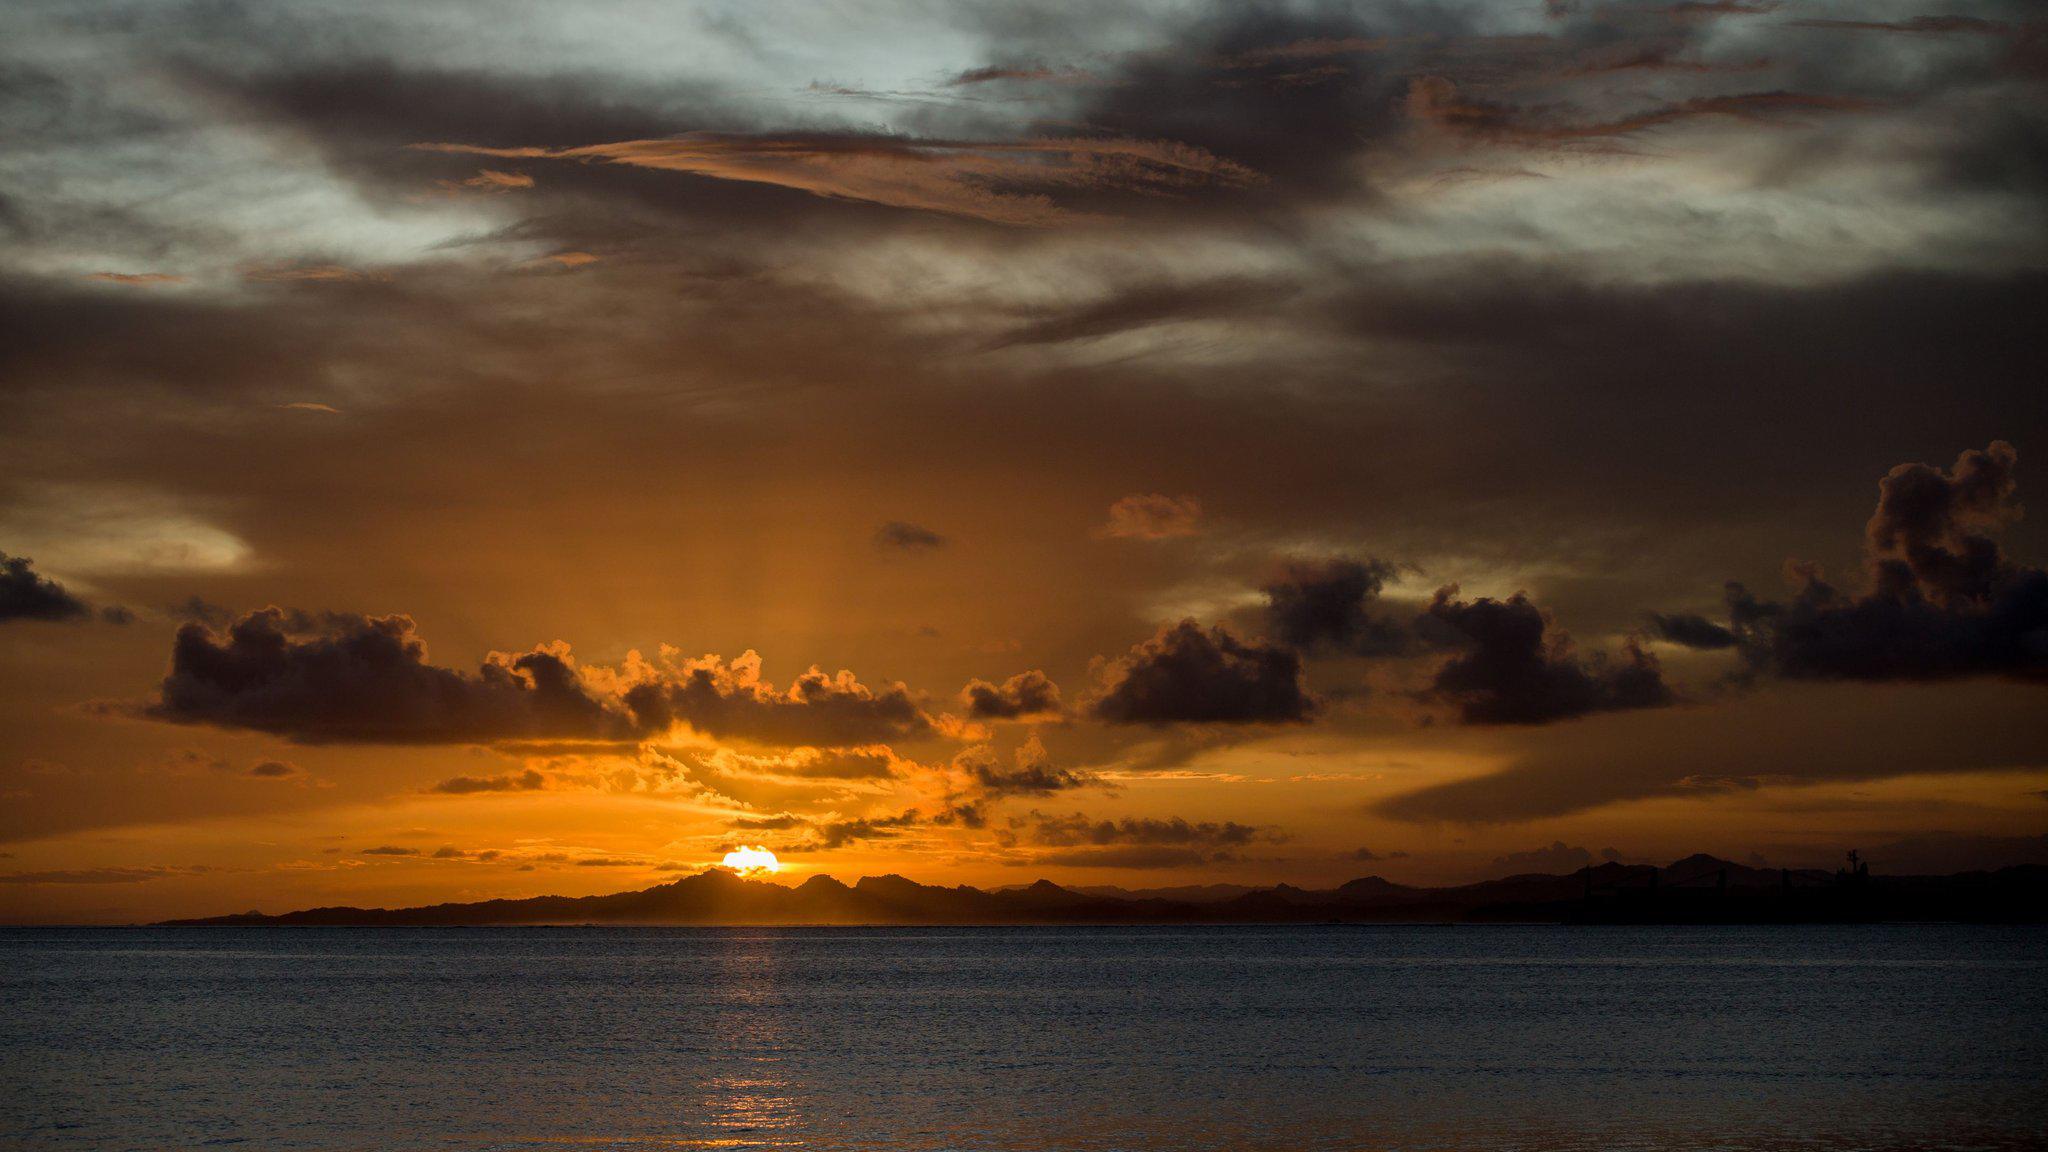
(135, 279)
(1003, 182)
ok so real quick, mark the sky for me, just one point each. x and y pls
(452, 452)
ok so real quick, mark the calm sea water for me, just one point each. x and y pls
(1201, 1038)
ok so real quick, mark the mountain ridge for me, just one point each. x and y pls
(1696, 889)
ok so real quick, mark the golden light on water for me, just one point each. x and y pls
(754, 861)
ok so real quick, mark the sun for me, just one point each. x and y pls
(754, 861)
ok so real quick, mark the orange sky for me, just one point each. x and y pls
(1245, 445)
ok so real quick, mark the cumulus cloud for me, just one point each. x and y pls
(1025, 696)
(1187, 675)
(1152, 516)
(727, 769)
(530, 780)
(826, 834)
(1078, 841)
(344, 678)
(829, 834)
(1031, 772)
(1943, 601)
(869, 762)
(26, 595)
(1077, 828)
(730, 699)
(1329, 605)
(1517, 669)
(481, 855)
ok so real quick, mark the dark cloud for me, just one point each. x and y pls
(390, 105)
(1187, 675)
(527, 781)
(824, 835)
(818, 709)
(1438, 102)
(1236, 298)
(25, 595)
(1691, 630)
(1367, 855)
(342, 678)
(1944, 601)
(839, 833)
(1019, 74)
(1031, 772)
(1771, 743)
(905, 537)
(1078, 829)
(1027, 695)
(1133, 842)
(1923, 25)
(1931, 530)
(1266, 103)
(1215, 84)
(877, 762)
(1517, 669)
(1330, 605)
(390, 850)
(274, 770)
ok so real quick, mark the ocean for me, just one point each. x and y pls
(1376, 1037)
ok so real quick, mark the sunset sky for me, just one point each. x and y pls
(452, 452)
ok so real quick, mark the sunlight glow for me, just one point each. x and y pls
(754, 861)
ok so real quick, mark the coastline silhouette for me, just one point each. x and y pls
(1697, 889)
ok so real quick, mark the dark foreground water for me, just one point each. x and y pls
(1224, 1038)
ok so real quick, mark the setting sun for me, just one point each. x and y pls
(752, 861)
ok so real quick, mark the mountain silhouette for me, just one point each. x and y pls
(1697, 889)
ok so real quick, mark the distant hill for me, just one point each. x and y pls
(1697, 889)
